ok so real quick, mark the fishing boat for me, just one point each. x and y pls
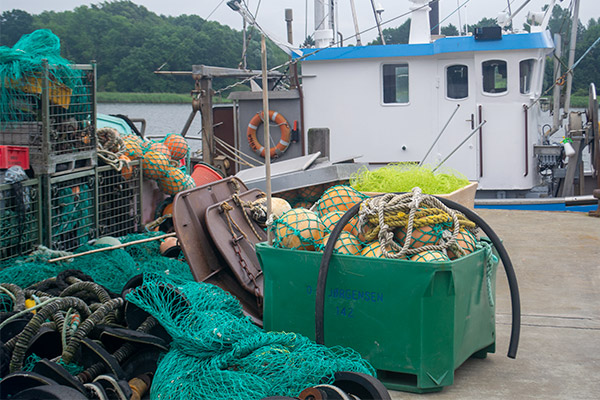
(469, 103)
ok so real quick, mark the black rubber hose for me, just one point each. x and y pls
(508, 268)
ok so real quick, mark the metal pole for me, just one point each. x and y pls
(377, 21)
(355, 18)
(573, 40)
(556, 120)
(440, 134)
(207, 119)
(460, 145)
(267, 144)
(289, 17)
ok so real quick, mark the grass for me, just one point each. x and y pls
(156, 98)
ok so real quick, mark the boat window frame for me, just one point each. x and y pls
(447, 86)
(493, 94)
(382, 87)
(535, 61)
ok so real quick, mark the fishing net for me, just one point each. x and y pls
(160, 148)
(330, 219)
(133, 147)
(346, 243)
(429, 256)
(177, 146)
(217, 353)
(155, 164)
(21, 74)
(174, 181)
(111, 269)
(403, 177)
(338, 198)
(298, 229)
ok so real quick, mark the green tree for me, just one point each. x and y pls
(14, 24)
(398, 35)
(449, 30)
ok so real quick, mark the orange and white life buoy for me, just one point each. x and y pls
(284, 141)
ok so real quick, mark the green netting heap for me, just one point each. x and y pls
(402, 177)
(111, 269)
(24, 61)
(218, 353)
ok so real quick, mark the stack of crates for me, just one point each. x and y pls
(77, 200)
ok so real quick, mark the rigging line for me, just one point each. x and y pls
(452, 13)
(317, 50)
(215, 9)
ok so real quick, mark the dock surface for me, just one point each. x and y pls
(556, 256)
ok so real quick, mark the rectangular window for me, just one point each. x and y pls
(457, 81)
(395, 83)
(525, 75)
(494, 76)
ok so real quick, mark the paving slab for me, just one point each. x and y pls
(556, 256)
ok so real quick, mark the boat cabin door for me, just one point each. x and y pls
(456, 87)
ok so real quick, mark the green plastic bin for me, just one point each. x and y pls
(414, 322)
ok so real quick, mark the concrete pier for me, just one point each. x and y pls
(556, 256)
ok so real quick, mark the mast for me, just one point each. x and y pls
(572, 42)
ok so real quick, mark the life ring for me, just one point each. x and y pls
(284, 141)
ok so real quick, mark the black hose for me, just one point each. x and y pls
(470, 214)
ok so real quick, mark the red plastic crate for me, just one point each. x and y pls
(14, 155)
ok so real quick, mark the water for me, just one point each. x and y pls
(160, 118)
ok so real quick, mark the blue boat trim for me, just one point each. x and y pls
(537, 40)
(540, 207)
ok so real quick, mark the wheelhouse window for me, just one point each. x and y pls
(457, 81)
(525, 75)
(395, 83)
(494, 76)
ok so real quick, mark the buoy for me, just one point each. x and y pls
(126, 169)
(160, 148)
(338, 198)
(372, 249)
(133, 147)
(300, 229)
(429, 255)
(155, 164)
(170, 247)
(175, 181)
(420, 236)
(177, 145)
(347, 243)
(330, 219)
(108, 240)
(466, 241)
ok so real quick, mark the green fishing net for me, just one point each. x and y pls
(21, 73)
(402, 177)
(338, 198)
(218, 353)
(298, 229)
(111, 269)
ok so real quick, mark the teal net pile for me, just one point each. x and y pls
(217, 353)
(111, 269)
(21, 73)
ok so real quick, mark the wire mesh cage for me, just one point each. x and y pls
(53, 113)
(20, 209)
(119, 200)
(70, 210)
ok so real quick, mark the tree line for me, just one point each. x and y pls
(128, 42)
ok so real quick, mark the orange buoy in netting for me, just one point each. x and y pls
(160, 148)
(338, 198)
(331, 218)
(429, 255)
(155, 165)
(372, 249)
(466, 241)
(299, 229)
(175, 181)
(177, 145)
(428, 234)
(346, 243)
(133, 147)
(126, 168)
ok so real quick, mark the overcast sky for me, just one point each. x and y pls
(271, 12)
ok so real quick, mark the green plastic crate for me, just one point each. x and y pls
(414, 322)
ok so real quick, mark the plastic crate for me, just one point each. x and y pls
(119, 200)
(20, 227)
(70, 209)
(414, 322)
(14, 155)
(57, 123)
